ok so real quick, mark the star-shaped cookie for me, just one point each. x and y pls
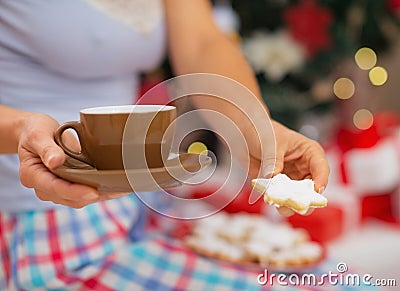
(298, 195)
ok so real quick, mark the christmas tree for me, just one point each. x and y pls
(295, 47)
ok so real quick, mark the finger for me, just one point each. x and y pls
(295, 173)
(38, 177)
(279, 162)
(273, 165)
(319, 169)
(42, 143)
(268, 166)
(107, 196)
(284, 211)
(71, 191)
(74, 204)
(281, 139)
(255, 168)
(70, 141)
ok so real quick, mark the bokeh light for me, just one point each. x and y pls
(365, 58)
(343, 88)
(198, 148)
(363, 119)
(378, 76)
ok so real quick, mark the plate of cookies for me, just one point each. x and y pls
(253, 241)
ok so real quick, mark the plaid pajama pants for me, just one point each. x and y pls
(95, 248)
(102, 247)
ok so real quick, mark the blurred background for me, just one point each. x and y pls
(330, 70)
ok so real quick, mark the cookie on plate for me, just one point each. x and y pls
(252, 240)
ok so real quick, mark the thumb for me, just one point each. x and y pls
(53, 156)
(273, 166)
(49, 152)
(279, 163)
(268, 166)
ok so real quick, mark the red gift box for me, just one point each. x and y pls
(342, 215)
(323, 225)
(238, 204)
(379, 206)
(369, 162)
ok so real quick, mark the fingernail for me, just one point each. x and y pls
(50, 161)
(321, 190)
(90, 196)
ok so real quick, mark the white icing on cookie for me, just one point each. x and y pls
(278, 237)
(298, 195)
(214, 246)
(305, 252)
(309, 250)
(258, 250)
(215, 221)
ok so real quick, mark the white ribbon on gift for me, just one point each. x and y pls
(348, 200)
(374, 170)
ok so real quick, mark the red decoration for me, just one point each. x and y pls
(378, 206)
(239, 204)
(349, 139)
(394, 5)
(378, 147)
(309, 24)
(387, 122)
(152, 91)
(323, 225)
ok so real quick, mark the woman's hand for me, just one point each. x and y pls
(197, 45)
(299, 157)
(38, 153)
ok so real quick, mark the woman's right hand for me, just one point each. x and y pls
(38, 153)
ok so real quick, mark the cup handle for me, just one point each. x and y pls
(76, 126)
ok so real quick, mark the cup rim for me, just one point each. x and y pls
(124, 109)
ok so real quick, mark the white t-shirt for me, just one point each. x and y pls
(58, 57)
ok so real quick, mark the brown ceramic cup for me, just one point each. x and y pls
(122, 137)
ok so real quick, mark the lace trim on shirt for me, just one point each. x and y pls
(141, 15)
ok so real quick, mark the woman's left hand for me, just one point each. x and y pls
(299, 157)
